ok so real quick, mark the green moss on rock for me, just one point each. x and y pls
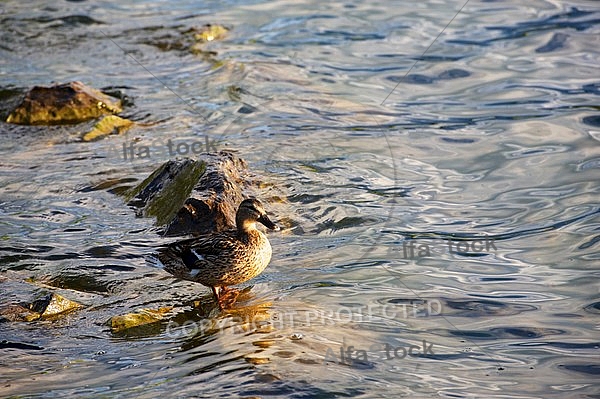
(67, 103)
(139, 323)
(164, 192)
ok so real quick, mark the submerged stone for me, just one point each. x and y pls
(110, 124)
(17, 312)
(184, 39)
(257, 360)
(52, 305)
(135, 321)
(67, 103)
(49, 306)
(210, 32)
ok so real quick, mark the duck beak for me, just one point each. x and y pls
(264, 219)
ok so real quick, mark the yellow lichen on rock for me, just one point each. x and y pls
(142, 317)
(58, 305)
(110, 124)
(67, 103)
(50, 306)
(210, 32)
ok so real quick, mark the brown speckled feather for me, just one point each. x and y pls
(225, 258)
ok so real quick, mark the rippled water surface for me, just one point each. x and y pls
(383, 143)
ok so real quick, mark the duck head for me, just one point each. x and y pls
(250, 212)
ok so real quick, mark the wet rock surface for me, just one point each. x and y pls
(67, 103)
(142, 322)
(52, 305)
(209, 32)
(17, 312)
(193, 196)
(108, 125)
(49, 306)
(184, 39)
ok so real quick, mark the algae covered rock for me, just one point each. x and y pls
(110, 124)
(214, 199)
(67, 103)
(162, 193)
(49, 306)
(52, 305)
(209, 32)
(206, 34)
(141, 322)
(193, 196)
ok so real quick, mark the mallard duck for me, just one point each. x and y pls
(225, 258)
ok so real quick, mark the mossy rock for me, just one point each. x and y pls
(63, 104)
(50, 306)
(164, 192)
(193, 196)
(139, 323)
(110, 124)
(209, 32)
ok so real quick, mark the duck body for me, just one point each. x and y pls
(221, 259)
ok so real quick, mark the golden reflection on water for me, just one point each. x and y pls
(493, 131)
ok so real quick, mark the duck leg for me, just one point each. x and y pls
(220, 294)
(216, 291)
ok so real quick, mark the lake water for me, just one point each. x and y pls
(377, 144)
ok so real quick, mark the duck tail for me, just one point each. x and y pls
(168, 258)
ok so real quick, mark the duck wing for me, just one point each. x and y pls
(188, 256)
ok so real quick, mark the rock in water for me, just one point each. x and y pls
(62, 104)
(108, 125)
(144, 321)
(193, 196)
(51, 305)
(17, 312)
